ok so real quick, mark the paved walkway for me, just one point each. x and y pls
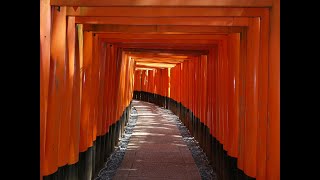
(156, 149)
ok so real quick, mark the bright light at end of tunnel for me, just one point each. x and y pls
(161, 65)
(147, 69)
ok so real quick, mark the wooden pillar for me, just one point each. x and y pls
(86, 93)
(56, 88)
(223, 53)
(107, 90)
(95, 85)
(73, 45)
(233, 93)
(64, 142)
(196, 87)
(191, 73)
(102, 94)
(204, 93)
(209, 79)
(252, 82)
(214, 110)
(263, 97)
(242, 98)
(45, 37)
(273, 131)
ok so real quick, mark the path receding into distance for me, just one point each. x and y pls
(156, 149)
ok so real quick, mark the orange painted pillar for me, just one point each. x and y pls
(101, 91)
(204, 93)
(184, 82)
(139, 80)
(273, 131)
(208, 81)
(187, 84)
(178, 86)
(166, 82)
(263, 97)
(131, 83)
(154, 81)
(88, 54)
(56, 89)
(114, 108)
(116, 91)
(162, 79)
(181, 83)
(223, 93)
(111, 110)
(136, 80)
(242, 99)
(113, 102)
(95, 85)
(112, 87)
(185, 90)
(64, 142)
(76, 97)
(192, 69)
(45, 36)
(125, 82)
(162, 82)
(86, 85)
(121, 85)
(214, 76)
(125, 75)
(171, 78)
(72, 71)
(106, 90)
(191, 84)
(143, 80)
(122, 80)
(219, 96)
(199, 89)
(250, 153)
(196, 87)
(150, 77)
(233, 93)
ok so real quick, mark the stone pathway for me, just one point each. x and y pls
(156, 149)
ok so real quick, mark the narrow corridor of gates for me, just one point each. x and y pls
(215, 64)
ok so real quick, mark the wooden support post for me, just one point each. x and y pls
(73, 45)
(233, 101)
(85, 140)
(273, 131)
(45, 37)
(56, 89)
(252, 82)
